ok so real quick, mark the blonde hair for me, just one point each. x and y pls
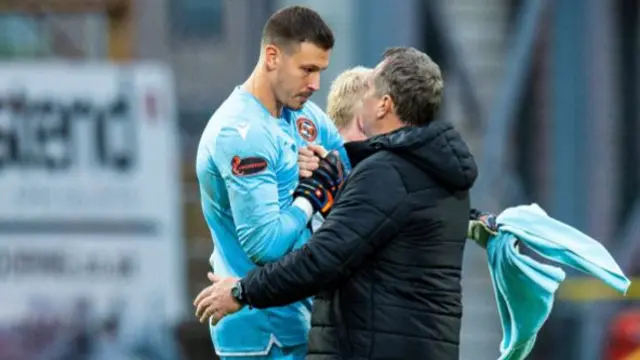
(345, 94)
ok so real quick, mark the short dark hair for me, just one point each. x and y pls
(414, 83)
(295, 25)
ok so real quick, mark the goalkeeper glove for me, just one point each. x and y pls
(322, 187)
(482, 226)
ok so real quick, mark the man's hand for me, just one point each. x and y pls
(308, 162)
(309, 159)
(321, 187)
(216, 301)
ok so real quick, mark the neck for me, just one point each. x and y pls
(258, 85)
(351, 133)
(388, 125)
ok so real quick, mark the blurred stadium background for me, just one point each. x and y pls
(102, 242)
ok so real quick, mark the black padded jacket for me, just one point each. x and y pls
(386, 265)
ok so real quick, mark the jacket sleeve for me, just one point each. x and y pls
(370, 210)
(247, 163)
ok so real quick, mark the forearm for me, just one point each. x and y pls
(272, 240)
(334, 252)
(340, 246)
(265, 287)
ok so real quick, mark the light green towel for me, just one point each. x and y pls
(525, 288)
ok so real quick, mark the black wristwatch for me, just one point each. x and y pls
(237, 291)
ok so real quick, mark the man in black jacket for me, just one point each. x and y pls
(387, 262)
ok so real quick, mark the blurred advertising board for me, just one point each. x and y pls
(90, 213)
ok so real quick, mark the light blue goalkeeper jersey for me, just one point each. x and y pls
(247, 169)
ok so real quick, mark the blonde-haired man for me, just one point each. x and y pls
(345, 100)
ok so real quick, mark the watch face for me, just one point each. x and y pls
(235, 291)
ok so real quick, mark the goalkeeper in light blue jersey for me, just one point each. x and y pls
(257, 207)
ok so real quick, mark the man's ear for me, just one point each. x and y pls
(271, 56)
(384, 107)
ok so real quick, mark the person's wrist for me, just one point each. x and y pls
(305, 205)
(238, 293)
(308, 189)
(474, 214)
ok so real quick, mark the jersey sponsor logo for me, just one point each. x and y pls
(248, 166)
(307, 129)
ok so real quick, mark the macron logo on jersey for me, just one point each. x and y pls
(243, 129)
